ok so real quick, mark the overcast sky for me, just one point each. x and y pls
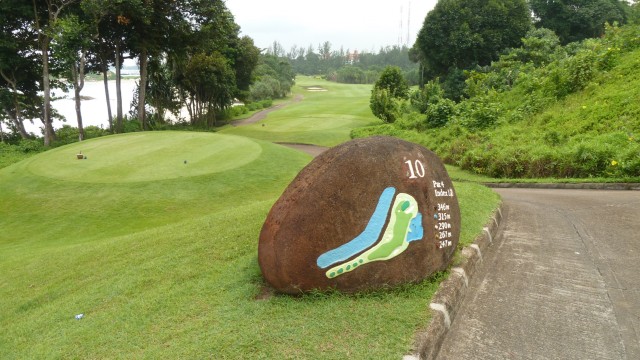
(352, 24)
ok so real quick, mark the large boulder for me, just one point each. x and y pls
(367, 214)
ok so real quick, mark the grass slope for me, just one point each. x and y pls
(597, 128)
(163, 263)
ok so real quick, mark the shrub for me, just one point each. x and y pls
(30, 146)
(394, 82)
(480, 112)
(130, 124)
(267, 103)
(383, 105)
(412, 121)
(431, 93)
(440, 112)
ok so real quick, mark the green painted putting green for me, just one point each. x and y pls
(146, 157)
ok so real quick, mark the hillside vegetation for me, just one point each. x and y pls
(542, 110)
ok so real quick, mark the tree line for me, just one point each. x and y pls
(350, 66)
(189, 53)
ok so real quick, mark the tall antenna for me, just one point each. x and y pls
(401, 16)
(409, 24)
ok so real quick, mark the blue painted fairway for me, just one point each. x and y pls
(367, 238)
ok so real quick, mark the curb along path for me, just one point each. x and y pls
(447, 300)
(579, 186)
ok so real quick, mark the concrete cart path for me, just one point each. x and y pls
(261, 115)
(563, 281)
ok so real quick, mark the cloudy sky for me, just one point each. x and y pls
(352, 24)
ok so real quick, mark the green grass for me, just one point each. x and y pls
(323, 118)
(476, 204)
(166, 155)
(39, 210)
(188, 291)
(161, 256)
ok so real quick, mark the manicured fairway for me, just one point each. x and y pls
(322, 118)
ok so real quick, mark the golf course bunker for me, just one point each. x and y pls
(146, 157)
(315, 88)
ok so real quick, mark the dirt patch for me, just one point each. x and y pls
(265, 293)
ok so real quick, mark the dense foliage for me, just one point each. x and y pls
(274, 78)
(540, 110)
(575, 20)
(189, 53)
(462, 33)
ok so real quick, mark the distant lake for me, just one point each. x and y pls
(94, 108)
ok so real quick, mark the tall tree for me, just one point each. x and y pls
(324, 50)
(464, 33)
(574, 20)
(210, 82)
(244, 62)
(216, 65)
(151, 26)
(72, 42)
(20, 66)
(46, 13)
(108, 33)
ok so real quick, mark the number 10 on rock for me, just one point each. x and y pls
(416, 169)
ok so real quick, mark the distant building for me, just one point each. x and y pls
(352, 57)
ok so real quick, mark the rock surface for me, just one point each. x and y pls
(367, 214)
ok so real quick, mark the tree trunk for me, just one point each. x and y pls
(49, 134)
(142, 90)
(105, 77)
(77, 72)
(190, 110)
(17, 122)
(16, 117)
(119, 125)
